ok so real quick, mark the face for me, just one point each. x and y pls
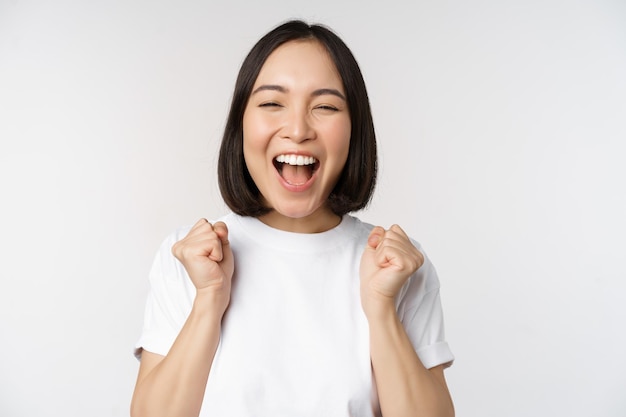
(296, 136)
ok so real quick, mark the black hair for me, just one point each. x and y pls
(356, 183)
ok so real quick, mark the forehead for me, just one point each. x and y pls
(300, 62)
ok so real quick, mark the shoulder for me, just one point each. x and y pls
(359, 229)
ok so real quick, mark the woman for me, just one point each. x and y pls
(289, 306)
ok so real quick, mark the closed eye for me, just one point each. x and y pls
(270, 104)
(327, 107)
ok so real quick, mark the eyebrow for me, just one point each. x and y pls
(316, 93)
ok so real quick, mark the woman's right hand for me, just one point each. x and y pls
(206, 255)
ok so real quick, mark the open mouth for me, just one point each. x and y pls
(296, 169)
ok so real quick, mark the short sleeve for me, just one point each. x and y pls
(169, 300)
(420, 311)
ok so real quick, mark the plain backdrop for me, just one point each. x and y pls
(502, 134)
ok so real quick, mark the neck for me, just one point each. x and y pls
(318, 222)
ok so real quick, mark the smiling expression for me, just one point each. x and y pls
(296, 136)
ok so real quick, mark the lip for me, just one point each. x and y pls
(299, 187)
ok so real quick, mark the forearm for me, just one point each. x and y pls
(405, 387)
(176, 385)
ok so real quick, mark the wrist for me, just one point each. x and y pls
(379, 308)
(210, 305)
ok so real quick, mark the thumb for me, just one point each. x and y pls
(375, 237)
(222, 232)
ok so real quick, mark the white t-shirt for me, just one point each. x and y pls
(295, 340)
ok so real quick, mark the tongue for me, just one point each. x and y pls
(296, 175)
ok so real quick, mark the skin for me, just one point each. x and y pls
(297, 107)
(405, 387)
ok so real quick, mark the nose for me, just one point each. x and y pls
(297, 126)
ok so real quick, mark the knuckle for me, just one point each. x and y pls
(176, 248)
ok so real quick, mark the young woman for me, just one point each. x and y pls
(289, 306)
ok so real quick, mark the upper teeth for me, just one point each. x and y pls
(296, 159)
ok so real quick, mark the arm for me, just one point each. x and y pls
(405, 387)
(174, 385)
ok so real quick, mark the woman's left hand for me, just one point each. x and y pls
(388, 261)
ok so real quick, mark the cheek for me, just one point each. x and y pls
(256, 131)
(248, 132)
(248, 150)
(251, 137)
(340, 141)
(251, 156)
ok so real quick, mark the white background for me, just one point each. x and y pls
(502, 132)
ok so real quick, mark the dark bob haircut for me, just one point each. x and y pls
(355, 185)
